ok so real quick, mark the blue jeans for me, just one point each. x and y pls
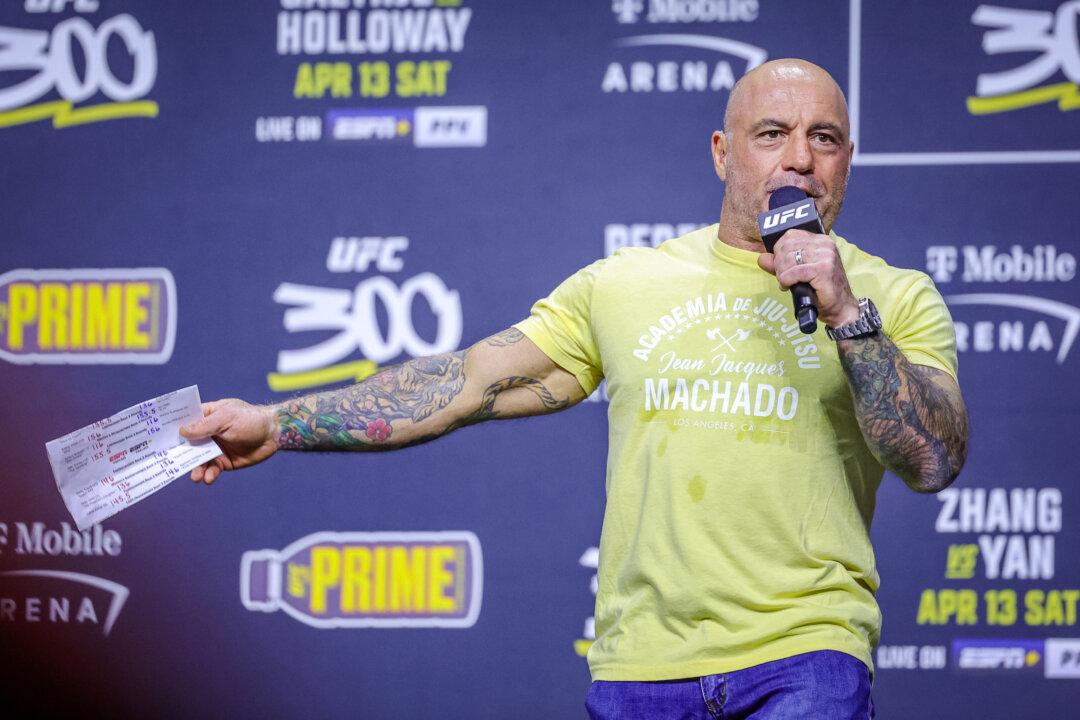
(825, 684)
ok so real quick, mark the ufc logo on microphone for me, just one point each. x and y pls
(781, 217)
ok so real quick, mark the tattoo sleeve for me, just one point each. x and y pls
(407, 404)
(912, 416)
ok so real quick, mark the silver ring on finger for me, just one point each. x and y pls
(798, 257)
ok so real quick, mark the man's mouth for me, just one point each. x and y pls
(811, 188)
(807, 190)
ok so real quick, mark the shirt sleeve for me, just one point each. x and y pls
(561, 326)
(922, 327)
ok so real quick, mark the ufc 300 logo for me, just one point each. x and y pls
(53, 56)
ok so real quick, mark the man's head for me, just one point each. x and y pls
(786, 123)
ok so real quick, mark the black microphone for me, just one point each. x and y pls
(791, 209)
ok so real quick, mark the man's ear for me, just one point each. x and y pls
(719, 153)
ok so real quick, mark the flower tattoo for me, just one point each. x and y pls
(379, 430)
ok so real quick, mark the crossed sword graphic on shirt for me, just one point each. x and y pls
(738, 336)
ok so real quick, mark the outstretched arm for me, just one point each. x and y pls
(504, 376)
(425, 398)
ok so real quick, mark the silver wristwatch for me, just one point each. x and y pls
(868, 324)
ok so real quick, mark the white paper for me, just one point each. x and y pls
(116, 462)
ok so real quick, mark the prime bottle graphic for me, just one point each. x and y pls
(360, 579)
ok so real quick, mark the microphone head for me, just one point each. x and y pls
(785, 196)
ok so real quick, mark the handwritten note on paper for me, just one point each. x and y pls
(116, 462)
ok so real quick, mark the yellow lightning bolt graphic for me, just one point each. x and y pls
(64, 115)
(1066, 94)
(356, 370)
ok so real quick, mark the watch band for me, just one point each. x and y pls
(868, 323)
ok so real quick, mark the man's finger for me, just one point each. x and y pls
(798, 274)
(214, 468)
(199, 473)
(209, 425)
(767, 262)
(208, 409)
(212, 406)
(796, 235)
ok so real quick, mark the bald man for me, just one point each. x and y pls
(736, 574)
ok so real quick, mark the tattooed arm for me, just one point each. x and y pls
(504, 376)
(912, 416)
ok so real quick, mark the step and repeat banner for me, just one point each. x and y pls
(270, 197)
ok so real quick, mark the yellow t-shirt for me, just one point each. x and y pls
(739, 488)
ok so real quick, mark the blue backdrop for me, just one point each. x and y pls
(333, 185)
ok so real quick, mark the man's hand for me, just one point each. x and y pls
(246, 434)
(820, 268)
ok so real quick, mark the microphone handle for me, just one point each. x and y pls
(804, 298)
(805, 301)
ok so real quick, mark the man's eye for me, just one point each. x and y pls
(822, 137)
(770, 134)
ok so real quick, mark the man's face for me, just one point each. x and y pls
(788, 126)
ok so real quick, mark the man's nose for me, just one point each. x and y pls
(798, 156)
